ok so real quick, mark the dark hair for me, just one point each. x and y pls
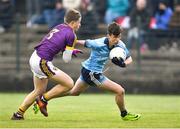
(164, 2)
(72, 15)
(114, 29)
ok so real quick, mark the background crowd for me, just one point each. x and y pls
(135, 15)
(51, 12)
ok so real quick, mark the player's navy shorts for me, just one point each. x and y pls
(92, 78)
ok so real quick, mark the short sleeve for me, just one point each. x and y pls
(122, 45)
(128, 54)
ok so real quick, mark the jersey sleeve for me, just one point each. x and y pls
(122, 45)
(70, 41)
(90, 43)
(128, 54)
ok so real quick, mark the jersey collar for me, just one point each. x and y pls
(106, 41)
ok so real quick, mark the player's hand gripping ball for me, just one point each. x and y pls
(118, 56)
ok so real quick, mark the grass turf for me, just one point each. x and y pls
(94, 111)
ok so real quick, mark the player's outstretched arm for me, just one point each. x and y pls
(81, 42)
(69, 52)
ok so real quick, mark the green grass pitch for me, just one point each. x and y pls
(94, 111)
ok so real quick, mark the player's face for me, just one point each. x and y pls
(77, 24)
(114, 39)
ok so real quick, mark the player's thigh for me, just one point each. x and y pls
(111, 86)
(62, 78)
(40, 84)
(79, 87)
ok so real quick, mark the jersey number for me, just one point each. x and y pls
(52, 32)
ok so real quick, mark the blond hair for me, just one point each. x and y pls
(72, 15)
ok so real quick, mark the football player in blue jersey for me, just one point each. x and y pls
(92, 69)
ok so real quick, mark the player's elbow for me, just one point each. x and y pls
(129, 60)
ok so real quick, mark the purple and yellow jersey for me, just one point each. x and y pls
(59, 38)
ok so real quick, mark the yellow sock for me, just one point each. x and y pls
(45, 96)
(21, 111)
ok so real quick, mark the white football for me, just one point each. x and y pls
(117, 52)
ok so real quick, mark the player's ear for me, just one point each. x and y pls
(71, 23)
(74, 22)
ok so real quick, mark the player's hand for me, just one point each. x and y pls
(76, 51)
(119, 62)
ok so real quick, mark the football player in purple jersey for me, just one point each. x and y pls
(61, 38)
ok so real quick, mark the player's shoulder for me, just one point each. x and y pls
(64, 27)
(121, 44)
(66, 30)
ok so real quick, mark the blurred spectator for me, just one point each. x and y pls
(176, 2)
(139, 23)
(163, 15)
(115, 9)
(175, 19)
(154, 5)
(132, 3)
(46, 17)
(33, 7)
(58, 14)
(100, 9)
(6, 15)
(89, 19)
(174, 25)
(69, 4)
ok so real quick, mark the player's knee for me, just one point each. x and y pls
(70, 84)
(74, 93)
(121, 91)
(37, 92)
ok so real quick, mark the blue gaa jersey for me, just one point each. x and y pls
(100, 53)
